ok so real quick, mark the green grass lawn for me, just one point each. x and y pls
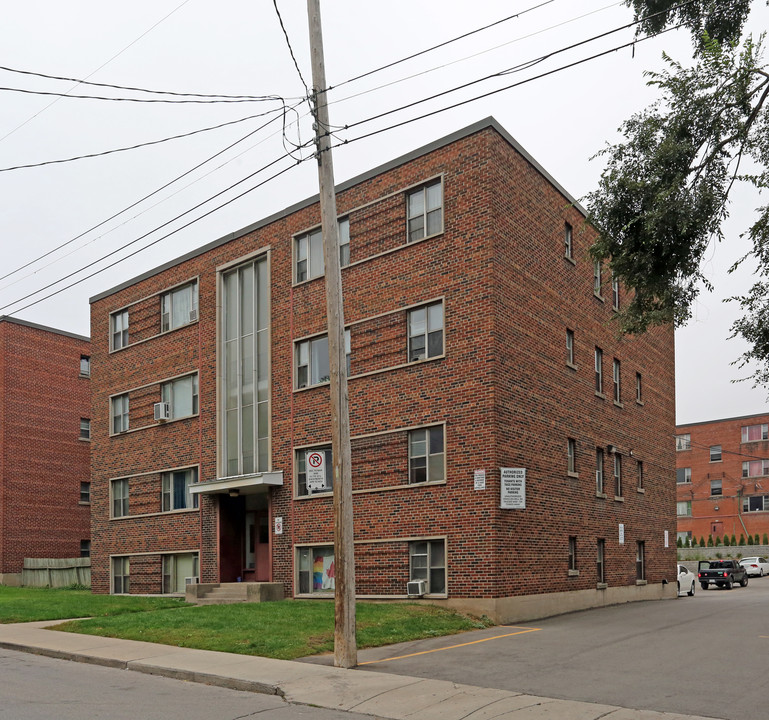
(287, 629)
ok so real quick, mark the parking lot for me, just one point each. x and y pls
(702, 655)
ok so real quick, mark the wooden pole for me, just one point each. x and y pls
(345, 646)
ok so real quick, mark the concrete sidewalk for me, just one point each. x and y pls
(360, 691)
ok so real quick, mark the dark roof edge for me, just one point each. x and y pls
(729, 419)
(488, 122)
(26, 323)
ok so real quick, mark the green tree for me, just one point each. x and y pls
(710, 541)
(663, 195)
(702, 541)
(726, 540)
(734, 539)
(718, 541)
(742, 540)
(766, 539)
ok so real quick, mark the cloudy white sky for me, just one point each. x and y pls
(235, 47)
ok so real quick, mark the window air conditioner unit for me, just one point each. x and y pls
(416, 587)
(193, 315)
(162, 411)
(192, 580)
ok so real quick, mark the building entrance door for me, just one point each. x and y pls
(257, 550)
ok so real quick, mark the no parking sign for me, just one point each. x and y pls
(316, 470)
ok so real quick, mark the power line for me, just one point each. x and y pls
(138, 145)
(79, 81)
(141, 200)
(290, 49)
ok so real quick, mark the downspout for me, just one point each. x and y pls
(291, 444)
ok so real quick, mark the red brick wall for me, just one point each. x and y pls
(43, 460)
(501, 388)
(729, 519)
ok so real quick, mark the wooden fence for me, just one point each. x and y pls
(56, 572)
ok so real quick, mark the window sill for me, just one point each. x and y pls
(601, 586)
(619, 498)
(598, 296)
(156, 514)
(86, 376)
(618, 404)
(601, 495)
(640, 582)
(571, 365)
(574, 475)
(570, 259)
(642, 491)
(639, 403)
(573, 573)
(84, 502)
(84, 440)
(600, 395)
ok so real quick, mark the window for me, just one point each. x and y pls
(755, 468)
(425, 211)
(572, 553)
(597, 281)
(85, 492)
(684, 508)
(308, 252)
(751, 433)
(640, 467)
(85, 365)
(181, 395)
(119, 498)
(426, 332)
(571, 456)
(301, 471)
(85, 548)
(567, 241)
(121, 570)
(640, 560)
(684, 536)
(683, 442)
(599, 561)
(176, 493)
(715, 453)
(179, 307)
(119, 329)
(312, 362)
(570, 347)
(316, 569)
(683, 475)
(755, 503)
(599, 471)
(427, 561)
(617, 378)
(614, 292)
(85, 429)
(599, 371)
(245, 388)
(715, 487)
(177, 570)
(119, 414)
(426, 455)
(638, 388)
(617, 475)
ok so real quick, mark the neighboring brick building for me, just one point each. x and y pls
(722, 478)
(45, 410)
(475, 318)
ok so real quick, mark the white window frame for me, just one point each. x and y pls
(600, 560)
(599, 371)
(686, 506)
(746, 467)
(572, 553)
(687, 475)
(568, 236)
(121, 575)
(85, 429)
(570, 347)
(120, 493)
(85, 491)
(168, 301)
(85, 366)
(617, 380)
(309, 262)
(571, 456)
(597, 278)
(300, 464)
(120, 414)
(175, 391)
(683, 442)
(614, 292)
(638, 388)
(763, 431)
(617, 475)
(427, 561)
(421, 206)
(599, 479)
(168, 496)
(425, 331)
(716, 453)
(304, 568)
(640, 474)
(640, 560)
(424, 455)
(168, 570)
(716, 487)
(119, 324)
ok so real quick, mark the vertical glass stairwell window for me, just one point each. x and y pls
(245, 368)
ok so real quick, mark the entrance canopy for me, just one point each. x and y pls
(238, 484)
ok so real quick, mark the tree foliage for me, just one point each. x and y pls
(664, 193)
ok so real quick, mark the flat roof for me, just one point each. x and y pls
(720, 420)
(488, 122)
(26, 323)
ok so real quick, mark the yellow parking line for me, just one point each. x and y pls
(521, 631)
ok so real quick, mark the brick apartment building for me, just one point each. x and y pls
(45, 410)
(722, 478)
(479, 339)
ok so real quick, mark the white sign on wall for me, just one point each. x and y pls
(278, 525)
(316, 470)
(622, 533)
(512, 488)
(667, 539)
(479, 480)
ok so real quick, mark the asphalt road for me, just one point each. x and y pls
(40, 688)
(702, 655)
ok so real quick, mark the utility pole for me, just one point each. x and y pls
(345, 645)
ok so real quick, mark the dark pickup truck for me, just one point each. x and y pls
(721, 573)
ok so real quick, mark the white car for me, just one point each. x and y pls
(756, 566)
(687, 580)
